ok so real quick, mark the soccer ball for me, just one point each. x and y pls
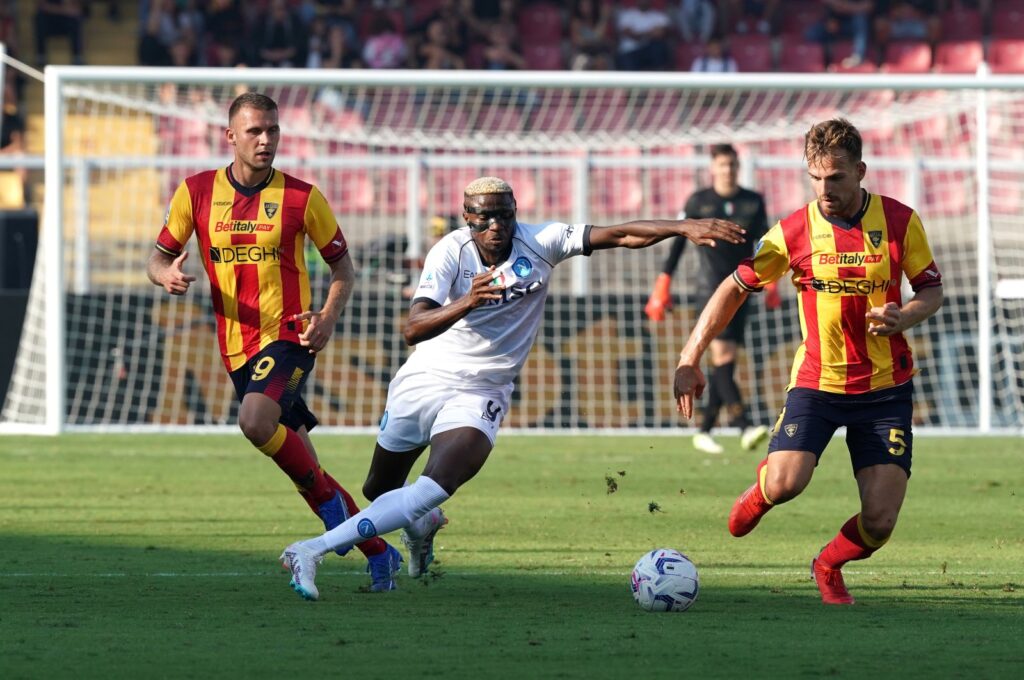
(665, 580)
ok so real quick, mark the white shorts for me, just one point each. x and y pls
(420, 406)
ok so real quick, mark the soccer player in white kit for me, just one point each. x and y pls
(474, 317)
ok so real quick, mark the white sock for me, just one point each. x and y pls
(392, 510)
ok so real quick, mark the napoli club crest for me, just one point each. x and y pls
(522, 267)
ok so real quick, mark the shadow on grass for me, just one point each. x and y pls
(77, 608)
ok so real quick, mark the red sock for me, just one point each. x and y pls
(290, 454)
(851, 543)
(373, 546)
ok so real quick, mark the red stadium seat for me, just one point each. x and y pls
(753, 53)
(1006, 55)
(961, 24)
(946, 193)
(617, 190)
(542, 24)
(1006, 196)
(1008, 22)
(445, 187)
(543, 57)
(801, 57)
(909, 56)
(839, 51)
(554, 112)
(686, 53)
(784, 190)
(524, 186)
(668, 189)
(497, 118)
(958, 56)
(348, 190)
(555, 194)
(799, 17)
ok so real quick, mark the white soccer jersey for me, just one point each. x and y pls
(489, 346)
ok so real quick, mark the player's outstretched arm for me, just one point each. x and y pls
(892, 319)
(321, 324)
(427, 319)
(689, 381)
(644, 233)
(166, 271)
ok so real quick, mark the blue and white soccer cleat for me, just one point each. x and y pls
(421, 547)
(383, 568)
(333, 513)
(302, 563)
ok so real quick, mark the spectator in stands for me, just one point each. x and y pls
(329, 46)
(385, 47)
(502, 53)
(280, 38)
(59, 18)
(342, 13)
(436, 51)
(588, 35)
(172, 34)
(844, 19)
(9, 27)
(12, 140)
(225, 32)
(481, 15)
(695, 20)
(642, 38)
(715, 58)
(906, 20)
(749, 16)
(457, 34)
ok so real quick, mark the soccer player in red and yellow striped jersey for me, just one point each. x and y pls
(848, 252)
(250, 222)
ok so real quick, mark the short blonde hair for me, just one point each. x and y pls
(836, 137)
(482, 186)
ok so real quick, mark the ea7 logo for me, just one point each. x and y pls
(791, 429)
(270, 209)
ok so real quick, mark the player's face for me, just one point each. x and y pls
(255, 135)
(725, 171)
(492, 220)
(836, 181)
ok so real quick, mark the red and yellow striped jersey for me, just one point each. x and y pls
(841, 270)
(251, 242)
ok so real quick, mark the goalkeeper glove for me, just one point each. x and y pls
(661, 298)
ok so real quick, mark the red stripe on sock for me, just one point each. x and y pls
(295, 460)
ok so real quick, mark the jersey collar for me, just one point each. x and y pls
(249, 191)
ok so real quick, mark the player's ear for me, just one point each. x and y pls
(229, 135)
(861, 169)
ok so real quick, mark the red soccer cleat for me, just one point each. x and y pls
(749, 508)
(830, 584)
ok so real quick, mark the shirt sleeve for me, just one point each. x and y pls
(178, 223)
(560, 241)
(918, 264)
(440, 267)
(323, 229)
(768, 263)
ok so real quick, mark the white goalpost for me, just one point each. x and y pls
(103, 350)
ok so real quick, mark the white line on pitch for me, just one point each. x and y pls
(523, 572)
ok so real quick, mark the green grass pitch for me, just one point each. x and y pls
(155, 556)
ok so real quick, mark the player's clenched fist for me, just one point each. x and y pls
(175, 281)
(704, 232)
(484, 290)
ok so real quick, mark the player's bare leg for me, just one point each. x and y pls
(780, 477)
(389, 470)
(882, 490)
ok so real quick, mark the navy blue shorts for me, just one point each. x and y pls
(878, 424)
(279, 371)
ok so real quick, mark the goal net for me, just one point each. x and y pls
(103, 348)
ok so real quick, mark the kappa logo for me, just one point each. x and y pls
(791, 429)
(491, 411)
(932, 273)
(270, 209)
(876, 237)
